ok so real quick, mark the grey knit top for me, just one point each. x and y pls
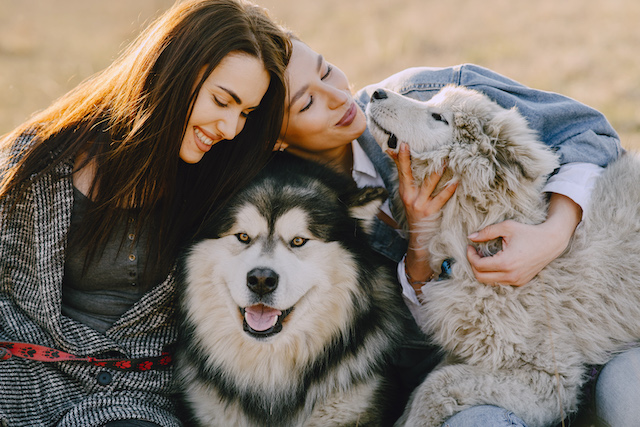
(113, 282)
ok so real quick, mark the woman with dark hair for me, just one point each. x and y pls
(98, 193)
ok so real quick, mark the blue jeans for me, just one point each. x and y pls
(618, 390)
(484, 416)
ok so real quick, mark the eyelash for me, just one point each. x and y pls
(329, 69)
(219, 103)
(223, 105)
(306, 107)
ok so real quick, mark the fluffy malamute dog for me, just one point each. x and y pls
(521, 348)
(289, 318)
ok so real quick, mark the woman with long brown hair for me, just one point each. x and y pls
(98, 193)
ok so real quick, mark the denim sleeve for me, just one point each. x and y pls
(575, 131)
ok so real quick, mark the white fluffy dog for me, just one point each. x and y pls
(521, 348)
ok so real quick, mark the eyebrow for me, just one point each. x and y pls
(235, 97)
(304, 88)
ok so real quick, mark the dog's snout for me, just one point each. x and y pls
(379, 94)
(262, 280)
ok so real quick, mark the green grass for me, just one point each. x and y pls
(585, 49)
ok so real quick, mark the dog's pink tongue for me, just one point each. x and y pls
(260, 317)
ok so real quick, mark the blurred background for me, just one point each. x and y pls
(586, 49)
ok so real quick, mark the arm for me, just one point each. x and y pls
(577, 133)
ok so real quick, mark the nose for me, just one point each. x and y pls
(337, 97)
(262, 280)
(379, 94)
(229, 126)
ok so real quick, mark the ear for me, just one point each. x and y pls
(280, 145)
(364, 205)
(518, 145)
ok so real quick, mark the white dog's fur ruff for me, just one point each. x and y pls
(521, 348)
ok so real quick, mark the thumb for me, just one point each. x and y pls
(490, 232)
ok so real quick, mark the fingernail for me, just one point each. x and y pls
(472, 235)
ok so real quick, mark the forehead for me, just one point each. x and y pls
(302, 65)
(241, 73)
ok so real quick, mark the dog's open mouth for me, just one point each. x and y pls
(261, 321)
(392, 142)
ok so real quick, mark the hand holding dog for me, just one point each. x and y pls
(419, 203)
(526, 249)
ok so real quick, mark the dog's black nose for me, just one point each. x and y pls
(262, 280)
(379, 94)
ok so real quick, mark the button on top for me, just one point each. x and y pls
(104, 378)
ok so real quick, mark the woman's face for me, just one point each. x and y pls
(232, 91)
(322, 114)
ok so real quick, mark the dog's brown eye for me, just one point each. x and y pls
(243, 237)
(298, 241)
(439, 118)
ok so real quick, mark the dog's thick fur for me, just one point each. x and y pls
(521, 348)
(289, 317)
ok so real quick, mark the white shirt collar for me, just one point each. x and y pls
(362, 164)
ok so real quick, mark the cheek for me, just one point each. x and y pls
(306, 126)
(241, 122)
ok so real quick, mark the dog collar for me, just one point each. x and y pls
(445, 269)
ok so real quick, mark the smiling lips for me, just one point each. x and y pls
(204, 142)
(348, 117)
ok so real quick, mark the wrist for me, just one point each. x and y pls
(416, 284)
(563, 217)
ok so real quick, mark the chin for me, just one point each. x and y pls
(191, 157)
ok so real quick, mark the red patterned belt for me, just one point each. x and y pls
(48, 354)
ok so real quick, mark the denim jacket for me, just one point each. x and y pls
(576, 132)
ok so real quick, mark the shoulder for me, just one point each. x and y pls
(423, 82)
(14, 148)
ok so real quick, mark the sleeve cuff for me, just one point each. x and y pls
(407, 290)
(575, 181)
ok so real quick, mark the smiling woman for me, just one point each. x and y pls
(106, 185)
(231, 92)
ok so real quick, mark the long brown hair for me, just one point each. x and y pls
(130, 121)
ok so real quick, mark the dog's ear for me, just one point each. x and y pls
(364, 205)
(501, 150)
(518, 145)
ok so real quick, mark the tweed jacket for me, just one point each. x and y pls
(576, 132)
(32, 393)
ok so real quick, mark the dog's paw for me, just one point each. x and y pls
(434, 401)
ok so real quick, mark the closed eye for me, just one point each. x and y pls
(329, 68)
(306, 107)
(218, 102)
(438, 117)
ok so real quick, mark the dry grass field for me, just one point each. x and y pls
(586, 49)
